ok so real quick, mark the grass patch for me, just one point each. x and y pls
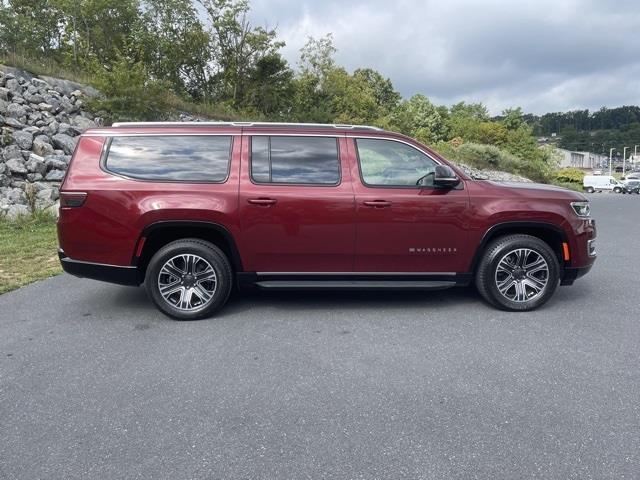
(46, 67)
(28, 250)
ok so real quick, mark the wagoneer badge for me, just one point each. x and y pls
(434, 250)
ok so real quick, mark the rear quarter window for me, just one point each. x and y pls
(183, 158)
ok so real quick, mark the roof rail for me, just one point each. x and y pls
(246, 124)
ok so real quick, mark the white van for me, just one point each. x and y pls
(592, 183)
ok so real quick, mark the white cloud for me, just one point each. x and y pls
(544, 55)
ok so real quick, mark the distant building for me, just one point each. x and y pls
(584, 160)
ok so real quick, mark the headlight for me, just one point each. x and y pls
(582, 209)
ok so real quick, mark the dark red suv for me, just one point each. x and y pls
(192, 209)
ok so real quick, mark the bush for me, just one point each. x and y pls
(129, 92)
(569, 175)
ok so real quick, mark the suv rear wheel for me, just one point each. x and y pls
(189, 279)
(518, 273)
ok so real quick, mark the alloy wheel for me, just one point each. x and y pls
(187, 282)
(522, 275)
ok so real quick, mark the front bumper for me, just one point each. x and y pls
(98, 271)
(570, 275)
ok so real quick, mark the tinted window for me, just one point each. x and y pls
(389, 163)
(295, 160)
(185, 158)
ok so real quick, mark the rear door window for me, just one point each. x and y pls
(184, 158)
(295, 160)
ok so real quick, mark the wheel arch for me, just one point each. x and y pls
(155, 235)
(550, 233)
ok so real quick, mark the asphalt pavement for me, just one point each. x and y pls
(96, 384)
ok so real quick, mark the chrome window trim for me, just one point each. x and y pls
(104, 157)
(285, 184)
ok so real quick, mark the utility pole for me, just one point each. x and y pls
(624, 160)
(635, 155)
(610, 159)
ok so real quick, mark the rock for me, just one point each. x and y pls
(33, 98)
(494, 175)
(56, 162)
(83, 123)
(5, 181)
(16, 211)
(45, 194)
(42, 148)
(46, 107)
(54, 209)
(13, 122)
(34, 177)
(67, 106)
(17, 111)
(3, 168)
(14, 85)
(53, 101)
(51, 129)
(16, 166)
(11, 152)
(23, 139)
(3, 106)
(65, 142)
(54, 176)
(36, 164)
(39, 83)
(64, 127)
(5, 94)
(14, 195)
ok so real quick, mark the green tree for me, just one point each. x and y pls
(30, 27)
(419, 118)
(237, 47)
(176, 45)
(271, 87)
(387, 98)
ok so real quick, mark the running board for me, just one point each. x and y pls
(355, 284)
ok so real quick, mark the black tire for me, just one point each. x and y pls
(497, 251)
(208, 253)
(617, 190)
(589, 190)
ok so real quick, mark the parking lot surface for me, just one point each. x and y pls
(95, 383)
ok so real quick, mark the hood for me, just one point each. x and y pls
(537, 190)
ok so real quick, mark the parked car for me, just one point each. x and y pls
(599, 183)
(632, 186)
(632, 176)
(193, 209)
(597, 172)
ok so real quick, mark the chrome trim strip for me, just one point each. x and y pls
(69, 259)
(114, 133)
(448, 274)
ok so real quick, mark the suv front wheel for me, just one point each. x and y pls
(189, 279)
(518, 273)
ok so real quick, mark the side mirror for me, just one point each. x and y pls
(445, 177)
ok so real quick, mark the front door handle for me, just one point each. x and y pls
(378, 203)
(263, 202)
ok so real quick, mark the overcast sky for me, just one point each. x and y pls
(542, 55)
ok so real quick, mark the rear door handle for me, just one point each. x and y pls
(378, 203)
(264, 202)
